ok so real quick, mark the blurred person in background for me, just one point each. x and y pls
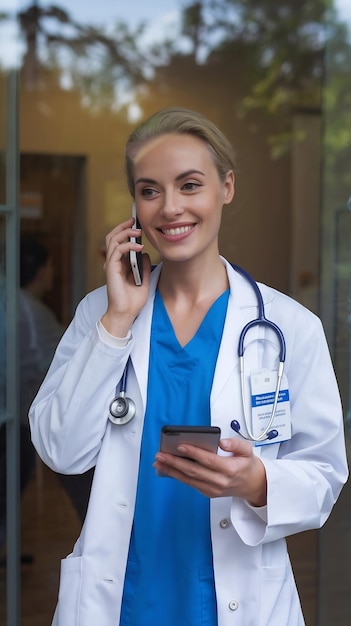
(39, 333)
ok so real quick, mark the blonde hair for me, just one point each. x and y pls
(180, 121)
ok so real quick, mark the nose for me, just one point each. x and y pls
(171, 205)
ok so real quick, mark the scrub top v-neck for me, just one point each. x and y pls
(169, 576)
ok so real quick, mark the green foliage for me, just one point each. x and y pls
(274, 51)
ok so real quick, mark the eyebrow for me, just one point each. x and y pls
(151, 181)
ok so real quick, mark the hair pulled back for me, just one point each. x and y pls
(179, 121)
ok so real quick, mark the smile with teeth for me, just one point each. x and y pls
(180, 230)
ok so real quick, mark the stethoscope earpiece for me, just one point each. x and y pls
(271, 434)
(122, 410)
(234, 425)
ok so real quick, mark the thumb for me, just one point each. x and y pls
(236, 445)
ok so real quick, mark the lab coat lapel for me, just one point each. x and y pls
(242, 307)
(141, 334)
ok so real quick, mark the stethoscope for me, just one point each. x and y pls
(261, 320)
(122, 408)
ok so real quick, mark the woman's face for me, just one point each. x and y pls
(179, 196)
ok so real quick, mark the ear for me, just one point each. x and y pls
(229, 187)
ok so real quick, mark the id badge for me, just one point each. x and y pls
(263, 385)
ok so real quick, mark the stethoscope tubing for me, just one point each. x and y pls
(261, 320)
(121, 404)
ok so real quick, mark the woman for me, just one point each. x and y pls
(208, 547)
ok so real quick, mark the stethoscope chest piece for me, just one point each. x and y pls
(122, 410)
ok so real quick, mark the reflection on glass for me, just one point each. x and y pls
(2, 426)
(89, 74)
(90, 71)
(116, 59)
(2, 317)
(335, 544)
(337, 189)
(2, 137)
(9, 61)
(342, 310)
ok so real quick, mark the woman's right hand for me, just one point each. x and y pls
(125, 299)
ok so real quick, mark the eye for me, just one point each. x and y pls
(190, 186)
(148, 192)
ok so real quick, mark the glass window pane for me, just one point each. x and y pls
(9, 577)
(10, 59)
(335, 545)
(2, 424)
(90, 72)
(2, 318)
(2, 138)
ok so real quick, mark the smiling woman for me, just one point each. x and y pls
(88, 73)
(227, 514)
(180, 210)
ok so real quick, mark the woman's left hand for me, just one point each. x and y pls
(242, 474)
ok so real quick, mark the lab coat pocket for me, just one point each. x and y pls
(278, 585)
(69, 592)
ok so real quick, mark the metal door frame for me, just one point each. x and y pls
(10, 211)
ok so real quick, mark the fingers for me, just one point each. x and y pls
(213, 474)
(118, 247)
(199, 458)
(236, 446)
(119, 234)
(120, 228)
(207, 481)
(118, 240)
(194, 464)
(125, 298)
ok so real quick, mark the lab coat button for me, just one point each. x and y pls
(224, 523)
(233, 605)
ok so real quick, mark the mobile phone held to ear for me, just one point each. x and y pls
(206, 437)
(136, 259)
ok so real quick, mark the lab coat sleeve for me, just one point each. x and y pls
(69, 415)
(306, 475)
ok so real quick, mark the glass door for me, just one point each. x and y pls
(9, 427)
(335, 537)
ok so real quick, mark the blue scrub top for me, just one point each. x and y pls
(169, 576)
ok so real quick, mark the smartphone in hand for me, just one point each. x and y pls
(206, 437)
(136, 259)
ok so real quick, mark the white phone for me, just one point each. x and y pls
(136, 259)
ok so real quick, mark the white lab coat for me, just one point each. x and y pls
(71, 432)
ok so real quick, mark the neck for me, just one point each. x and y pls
(193, 281)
